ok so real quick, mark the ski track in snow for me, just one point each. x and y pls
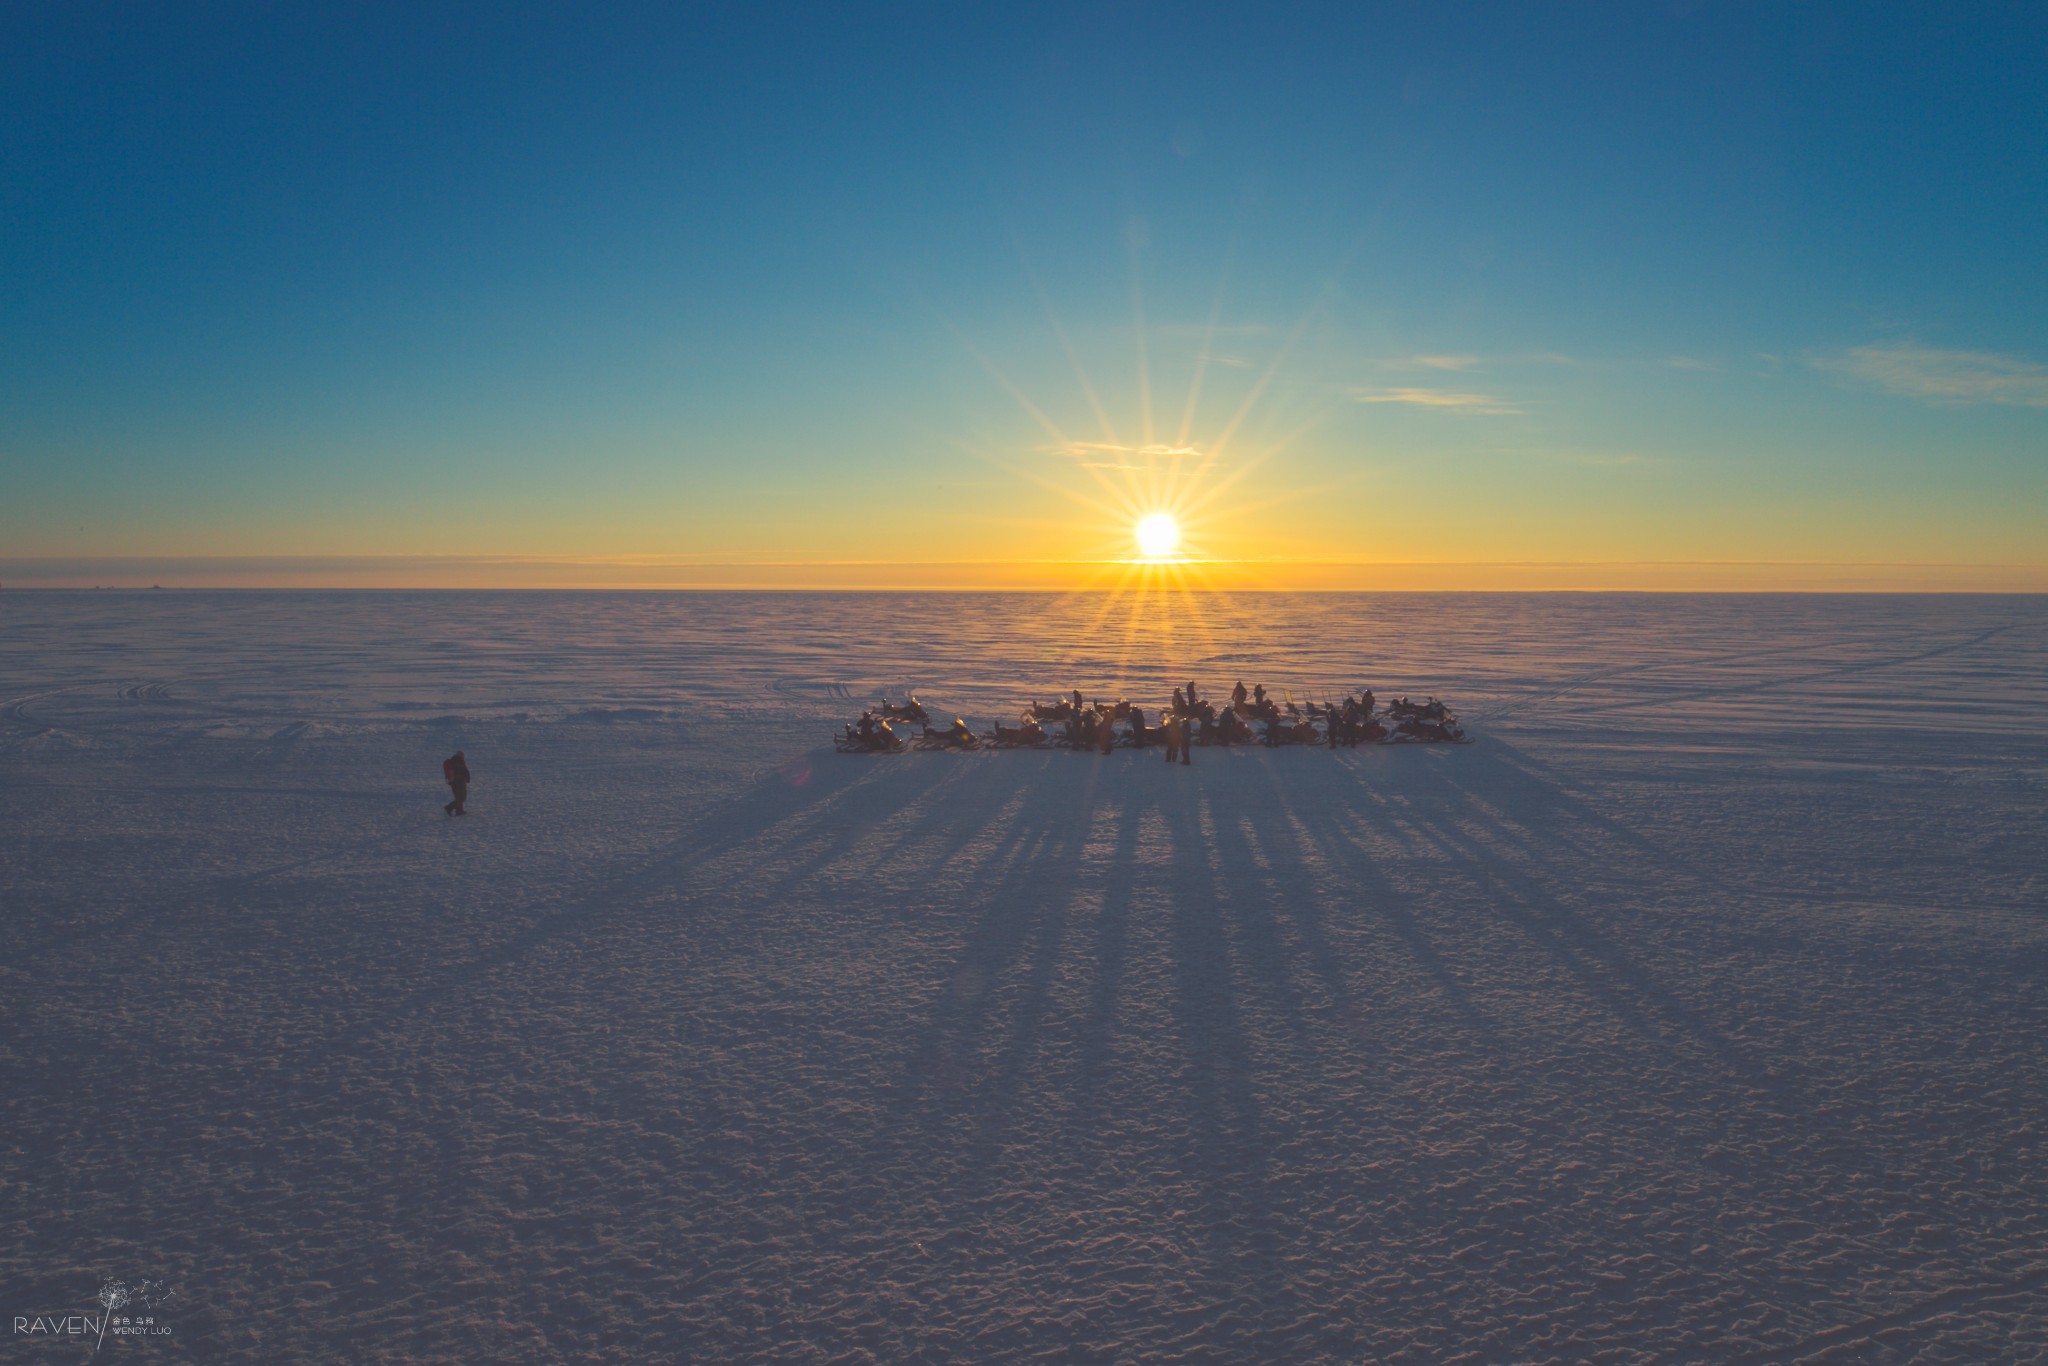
(1698, 1011)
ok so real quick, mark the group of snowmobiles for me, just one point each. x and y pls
(1249, 717)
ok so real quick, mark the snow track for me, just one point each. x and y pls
(1699, 1012)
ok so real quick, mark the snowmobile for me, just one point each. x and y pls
(1227, 728)
(1418, 730)
(955, 736)
(1356, 729)
(881, 738)
(1138, 735)
(1083, 730)
(913, 710)
(1297, 731)
(1059, 711)
(1432, 710)
(1027, 736)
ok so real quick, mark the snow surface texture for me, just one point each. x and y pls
(1695, 1012)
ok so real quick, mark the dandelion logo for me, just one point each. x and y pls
(114, 1296)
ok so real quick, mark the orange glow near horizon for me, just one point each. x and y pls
(1161, 491)
(1185, 575)
(1142, 512)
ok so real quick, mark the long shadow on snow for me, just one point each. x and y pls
(1356, 884)
(728, 833)
(1500, 833)
(1441, 820)
(1499, 867)
(1513, 871)
(1519, 889)
(1073, 864)
(1034, 857)
(156, 921)
(1221, 935)
(1508, 777)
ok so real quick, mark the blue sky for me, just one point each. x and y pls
(1628, 282)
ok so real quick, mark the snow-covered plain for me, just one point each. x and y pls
(1698, 1011)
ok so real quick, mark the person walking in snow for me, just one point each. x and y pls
(455, 769)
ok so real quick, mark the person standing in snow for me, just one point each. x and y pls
(1178, 738)
(455, 769)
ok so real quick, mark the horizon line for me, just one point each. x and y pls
(677, 562)
(648, 573)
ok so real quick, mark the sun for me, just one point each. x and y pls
(1158, 535)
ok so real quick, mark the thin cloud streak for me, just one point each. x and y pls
(1944, 377)
(1461, 361)
(1439, 400)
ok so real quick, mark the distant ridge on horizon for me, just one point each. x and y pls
(654, 572)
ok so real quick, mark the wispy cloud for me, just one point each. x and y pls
(1465, 360)
(1105, 447)
(1441, 400)
(1937, 376)
(1692, 363)
(1204, 331)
